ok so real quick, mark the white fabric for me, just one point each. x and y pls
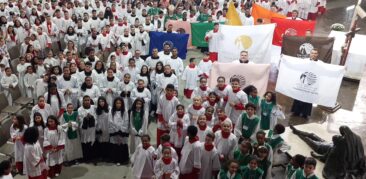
(309, 81)
(210, 162)
(191, 156)
(143, 162)
(33, 166)
(202, 133)
(166, 108)
(174, 138)
(54, 138)
(214, 40)
(224, 146)
(87, 135)
(257, 40)
(190, 75)
(159, 152)
(161, 168)
(18, 144)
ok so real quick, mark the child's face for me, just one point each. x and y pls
(202, 120)
(268, 97)
(235, 85)
(101, 103)
(145, 141)
(169, 92)
(41, 102)
(254, 93)
(203, 82)
(51, 123)
(70, 108)
(208, 140)
(226, 127)
(250, 111)
(261, 139)
(220, 113)
(167, 153)
(180, 110)
(38, 119)
(253, 164)
(138, 105)
(118, 104)
(244, 148)
(212, 98)
(29, 70)
(209, 112)
(197, 101)
(233, 167)
(15, 120)
(8, 72)
(309, 169)
(127, 78)
(262, 154)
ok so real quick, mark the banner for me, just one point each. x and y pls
(182, 27)
(232, 16)
(199, 31)
(257, 40)
(249, 74)
(301, 47)
(289, 27)
(179, 41)
(265, 14)
(309, 81)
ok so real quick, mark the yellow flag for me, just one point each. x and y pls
(232, 15)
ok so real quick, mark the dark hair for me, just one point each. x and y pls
(250, 105)
(145, 74)
(31, 135)
(260, 20)
(114, 109)
(192, 131)
(145, 135)
(203, 78)
(21, 123)
(221, 77)
(191, 60)
(310, 161)
(249, 89)
(165, 138)
(243, 141)
(34, 119)
(261, 132)
(4, 165)
(133, 108)
(273, 100)
(52, 117)
(83, 86)
(211, 135)
(179, 105)
(235, 80)
(100, 70)
(162, 67)
(101, 109)
(59, 70)
(170, 86)
(279, 128)
(299, 159)
(52, 85)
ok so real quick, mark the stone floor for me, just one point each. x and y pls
(336, 13)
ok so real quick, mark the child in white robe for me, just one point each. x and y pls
(17, 133)
(221, 117)
(54, 145)
(210, 161)
(190, 163)
(202, 127)
(225, 141)
(144, 75)
(236, 101)
(141, 92)
(5, 169)
(29, 81)
(165, 142)
(178, 124)
(89, 89)
(9, 81)
(166, 166)
(69, 86)
(212, 101)
(22, 69)
(166, 78)
(166, 108)
(125, 89)
(190, 76)
(202, 90)
(40, 125)
(195, 109)
(56, 99)
(109, 86)
(87, 123)
(34, 162)
(43, 108)
(102, 127)
(70, 126)
(40, 86)
(204, 66)
(143, 159)
(222, 91)
(138, 116)
(131, 69)
(210, 117)
(176, 63)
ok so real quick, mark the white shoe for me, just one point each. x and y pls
(118, 164)
(57, 174)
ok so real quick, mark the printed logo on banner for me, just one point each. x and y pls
(288, 32)
(243, 42)
(304, 50)
(307, 83)
(241, 79)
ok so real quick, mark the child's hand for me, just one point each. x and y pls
(232, 104)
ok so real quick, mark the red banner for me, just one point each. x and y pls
(290, 27)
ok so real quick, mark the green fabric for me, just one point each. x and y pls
(179, 16)
(137, 120)
(264, 164)
(153, 11)
(223, 175)
(199, 31)
(290, 171)
(167, 18)
(299, 175)
(266, 110)
(252, 174)
(254, 100)
(275, 142)
(71, 118)
(242, 159)
(250, 123)
(203, 17)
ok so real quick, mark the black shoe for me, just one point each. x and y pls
(294, 130)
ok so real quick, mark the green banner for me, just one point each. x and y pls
(199, 31)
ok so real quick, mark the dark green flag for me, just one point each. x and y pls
(199, 31)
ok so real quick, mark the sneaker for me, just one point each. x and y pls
(118, 164)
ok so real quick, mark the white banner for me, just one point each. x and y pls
(309, 81)
(248, 74)
(257, 40)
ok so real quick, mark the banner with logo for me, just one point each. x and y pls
(179, 41)
(288, 27)
(199, 31)
(265, 14)
(182, 27)
(248, 74)
(309, 81)
(301, 47)
(257, 40)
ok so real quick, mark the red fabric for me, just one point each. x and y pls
(202, 128)
(216, 127)
(197, 107)
(160, 118)
(179, 128)
(208, 117)
(321, 9)
(159, 133)
(60, 147)
(225, 135)
(203, 88)
(203, 75)
(193, 140)
(206, 39)
(221, 119)
(222, 87)
(54, 170)
(192, 65)
(167, 161)
(19, 166)
(209, 147)
(48, 147)
(43, 175)
(169, 97)
(188, 93)
(312, 16)
(212, 103)
(193, 175)
(226, 98)
(146, 146)
(290, 28)
(236, 90)
(41, 106)
(213, 56)
(239, 106)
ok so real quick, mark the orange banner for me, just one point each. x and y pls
(265, 14)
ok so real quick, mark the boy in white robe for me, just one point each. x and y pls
(202, 127)
(178, 124)
(110, 86)
(153, 59)
(141, 92)
(195, 110)
(166, 108)
(225, 142)
(203, 90)
(41, 107)
(222, 91)
(236, 101)
(205, 66)
(69, 86)
(125, 89)
(213, 38)
(143, 41)
(143, 159)
(40, 86)
(190, 76)
(165, 142)
(167, 78)
(8, 82)
(166, 166)
(210, 161)
(190, 163)
(16, 134)
(29, 81)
